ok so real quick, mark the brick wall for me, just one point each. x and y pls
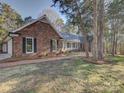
(43, 32)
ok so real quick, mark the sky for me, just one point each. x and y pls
(31, 7)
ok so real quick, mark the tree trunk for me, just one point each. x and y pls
(113, 45)
(85, 42)
(121, 48)
(115, 27)
(114, 38)
(100, 29)
(86, 45)
(94, 49)
(116, 46)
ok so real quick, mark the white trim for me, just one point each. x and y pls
(10, 47)
(71, 47)
(32, 45)
(13, 35)
(5, 48)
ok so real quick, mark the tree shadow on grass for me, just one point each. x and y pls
(68, 76)
(115, 59)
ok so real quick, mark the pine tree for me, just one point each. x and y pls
(78, 13)
(9, 20)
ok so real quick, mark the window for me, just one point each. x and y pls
(64, 45)
(68, 45)
(76, 45)
(54, 44)
(73, 45)
(29, 45)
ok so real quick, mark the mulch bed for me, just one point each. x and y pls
(29, 58)
(89, 60)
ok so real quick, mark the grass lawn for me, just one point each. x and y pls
(65, 76)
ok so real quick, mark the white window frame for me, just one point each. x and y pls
(71, 45)
(64, 45)
(32, 45)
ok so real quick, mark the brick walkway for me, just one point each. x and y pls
(10, 64)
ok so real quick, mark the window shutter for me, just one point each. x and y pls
(51, 45)
(57, 44)
(24, 45)
(35, 45)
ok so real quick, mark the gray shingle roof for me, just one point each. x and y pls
(71, 37)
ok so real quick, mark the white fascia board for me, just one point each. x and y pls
(13, 35)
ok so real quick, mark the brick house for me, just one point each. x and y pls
(39, 37)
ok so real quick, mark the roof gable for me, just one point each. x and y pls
(43, 19)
